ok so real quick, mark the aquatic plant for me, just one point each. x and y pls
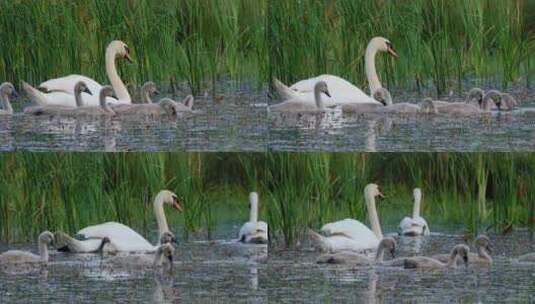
(171, 42)
(440, 42)
(68, 191)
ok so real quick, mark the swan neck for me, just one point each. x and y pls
(317, 98)
(371, 73)
(452, 261)
(43, 251)
(161, 220)
(416, 208)
(146, 97)
(115, 80)
(372, 216)
(482, 252)
(253, 213)
(380, 253)
(5, 103)
(78, 98)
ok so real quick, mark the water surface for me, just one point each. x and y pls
(215, 272)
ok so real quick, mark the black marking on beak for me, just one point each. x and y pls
(327, 93)
(393, 253)
(87, 91)
(156, 92)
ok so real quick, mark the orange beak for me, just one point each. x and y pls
(380, 194)
(391, 51)
(127, 57)
(176, 205)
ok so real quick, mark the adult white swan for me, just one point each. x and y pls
(254, 231)
(350, 234)
(342, 90)
(115, 49)
(415, 225)
(122, 237)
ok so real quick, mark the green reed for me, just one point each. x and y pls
(439, 41)
(171, 41)
(68, 191)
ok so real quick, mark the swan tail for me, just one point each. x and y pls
(66, 243)
(318, 240)
(284, 91)
(35, 95)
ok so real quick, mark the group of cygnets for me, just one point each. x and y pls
(123, 245)
(316, 94)
(343, 242)
(75, 95)
(477, 101)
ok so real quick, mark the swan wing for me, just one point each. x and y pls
(18, 256)
(338, 243)
(351, 228)
(252, 230)
(121, 236)
(342, 91)
(67, 83)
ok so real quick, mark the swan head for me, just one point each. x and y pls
(389, 244)
(8, 89)
(461, 251)
(46, 237)
(384, 45)
(170, 198)
(417, 194)
(150, 88)
(80, 87)
(483, 241)
(490, 99)
(383, 96)
(475, 95)
(372, 190)
(120, 49)
(168, 237)
(321, 86)
(507, 102)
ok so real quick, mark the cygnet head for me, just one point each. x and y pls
(167, 237)
(148, 90)
(389, 244)
(475, 95)
(462, 251)
(46, 237)
(372, 190)
(483, 241)
(383, 96)
(121, 49)
(321, 86)
(507, 102)
(491, 99)
(383, 45)
(8, 89)
(80, 87)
